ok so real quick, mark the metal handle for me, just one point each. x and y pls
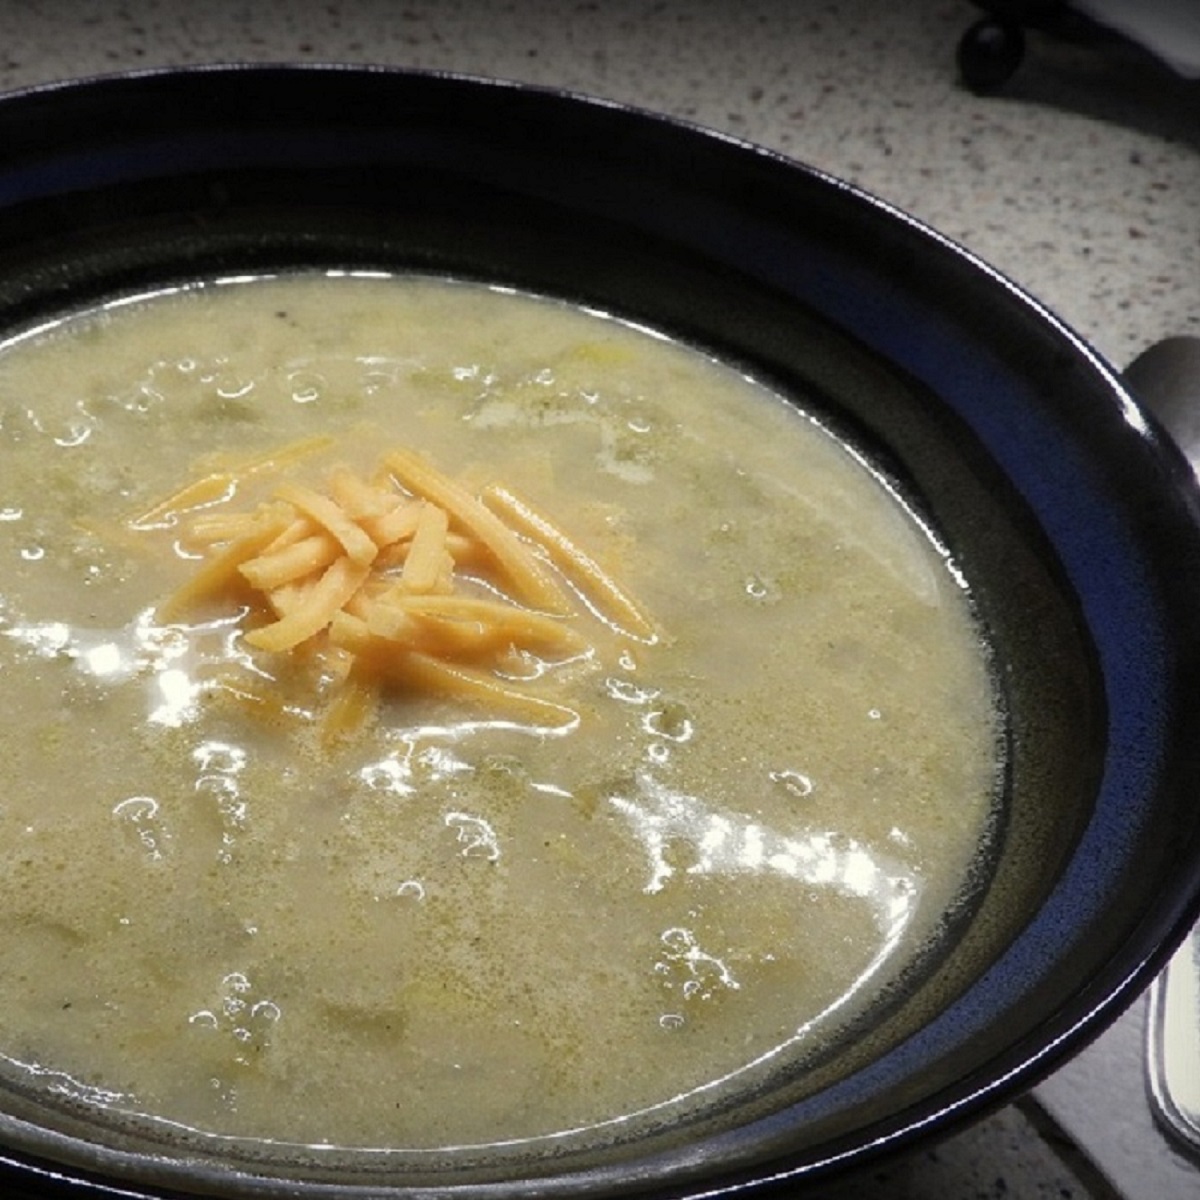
(1167, 378)
(1173, 1044)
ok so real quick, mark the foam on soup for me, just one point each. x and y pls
(246, 897)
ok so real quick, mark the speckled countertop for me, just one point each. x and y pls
(1080, 181)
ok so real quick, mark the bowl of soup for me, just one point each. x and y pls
(546, 650)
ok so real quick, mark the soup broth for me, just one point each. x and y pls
(718, 831)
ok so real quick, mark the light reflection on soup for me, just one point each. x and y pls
(457, 926)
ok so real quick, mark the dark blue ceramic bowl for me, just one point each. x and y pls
(1075, 520)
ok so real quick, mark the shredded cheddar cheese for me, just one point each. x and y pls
(223, 483)
(405, 581)
(523, 572)
(578, 567)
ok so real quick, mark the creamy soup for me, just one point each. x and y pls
(619, 848)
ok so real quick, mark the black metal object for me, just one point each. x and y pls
(992, 49)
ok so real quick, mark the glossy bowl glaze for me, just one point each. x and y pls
(1072, 516)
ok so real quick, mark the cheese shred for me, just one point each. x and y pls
(408, 580)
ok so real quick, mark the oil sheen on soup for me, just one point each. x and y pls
(434, 716)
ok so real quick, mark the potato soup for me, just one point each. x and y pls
(437, 716)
